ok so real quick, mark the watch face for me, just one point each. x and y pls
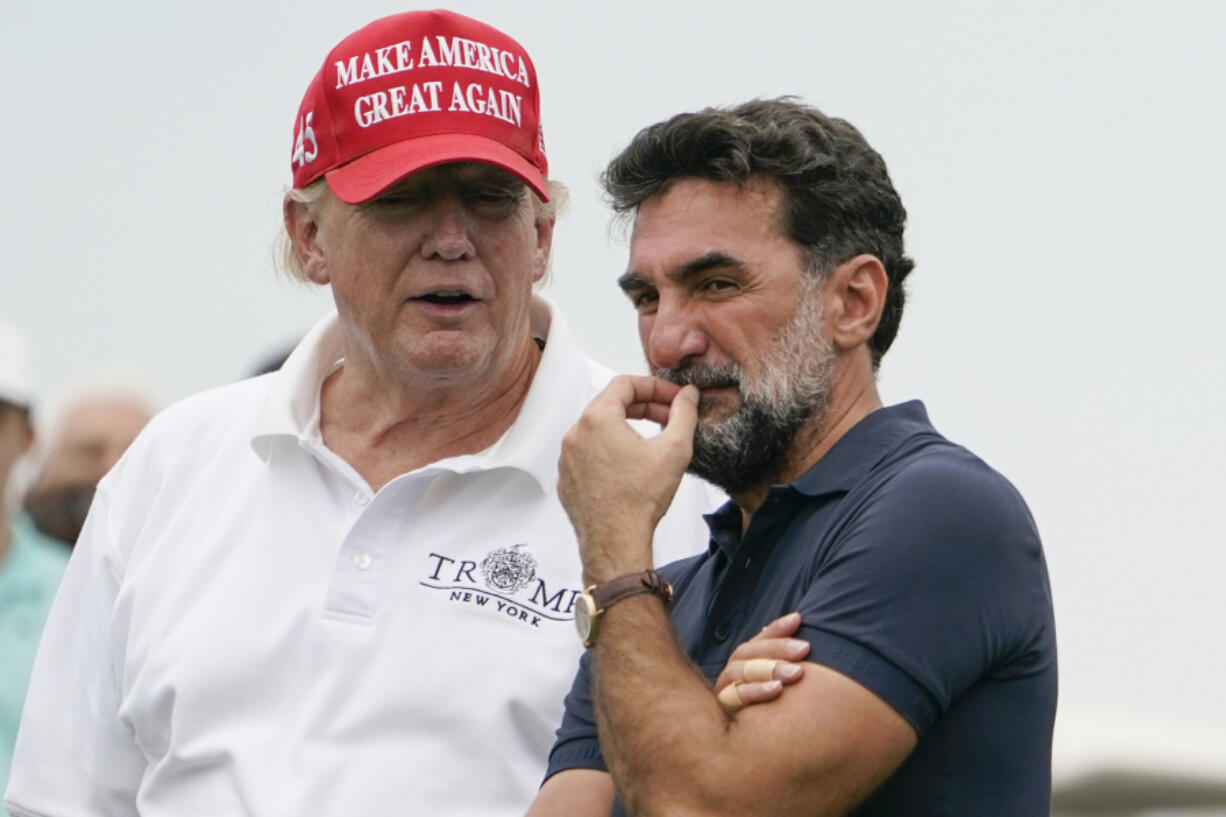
(585, 610)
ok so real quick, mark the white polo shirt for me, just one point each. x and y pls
(246, 629)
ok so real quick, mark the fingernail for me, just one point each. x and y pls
(691, 393)
(795, 648)
(772, 686)
(787, 672)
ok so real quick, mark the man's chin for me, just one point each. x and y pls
(717, 405)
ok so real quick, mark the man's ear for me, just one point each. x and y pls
(544, 244)
(855, 293)
(302, 224)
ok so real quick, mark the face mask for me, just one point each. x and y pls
(60, 512)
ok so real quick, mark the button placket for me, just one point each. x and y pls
(362, 559)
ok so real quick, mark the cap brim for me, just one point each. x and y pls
(368, 176)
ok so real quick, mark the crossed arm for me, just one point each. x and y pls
(589, 792)
(669, 745)
(671, 749)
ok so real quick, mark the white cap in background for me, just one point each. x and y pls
(16, 370)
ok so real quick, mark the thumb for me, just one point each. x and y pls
(682, 417)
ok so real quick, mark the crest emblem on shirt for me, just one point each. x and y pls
(508, 569)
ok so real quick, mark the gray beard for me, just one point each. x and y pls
(751, 447)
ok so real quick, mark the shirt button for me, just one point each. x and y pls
(361, 498)
(362, 561)
(722, 632)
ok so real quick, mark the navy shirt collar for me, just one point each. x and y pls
(844, 465)
(861, 448)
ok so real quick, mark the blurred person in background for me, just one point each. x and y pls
(347, 587)
(95, 427)
(31, 564)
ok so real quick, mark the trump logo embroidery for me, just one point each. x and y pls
(508, 569)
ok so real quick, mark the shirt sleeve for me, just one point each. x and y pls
(577, 745)
(74, 756)
(936, 581)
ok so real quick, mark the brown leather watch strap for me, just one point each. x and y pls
(611, 592)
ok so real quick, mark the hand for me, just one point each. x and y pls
(758, 670)
(614, 484)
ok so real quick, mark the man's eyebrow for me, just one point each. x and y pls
(696, 266)
(629, 281)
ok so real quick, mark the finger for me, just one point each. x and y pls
(759, 669)
(782, 626)
(682, 417)
(729, 698)
(625, 390)
(735, 697)
(655, 412)
(759, 692)
(784, 649)
(788, 672)
(766, 669)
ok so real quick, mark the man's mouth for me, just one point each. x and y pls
(446, 297)
(704, 380)
(717, 384)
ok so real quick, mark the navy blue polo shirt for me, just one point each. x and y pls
(918, 573)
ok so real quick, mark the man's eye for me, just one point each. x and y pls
(492, 197)
(398, 200)
(714, 284)
(643, 298)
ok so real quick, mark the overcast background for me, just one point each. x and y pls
(1062, 164)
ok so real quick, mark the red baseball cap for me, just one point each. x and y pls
(415, 90)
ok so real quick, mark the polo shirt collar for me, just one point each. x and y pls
(850, 459)
(531, 444)
(861, 448)
(291, 408)
(557, 396)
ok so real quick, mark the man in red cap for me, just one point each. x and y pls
(348, 586)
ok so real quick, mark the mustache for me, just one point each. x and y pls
(704, 375)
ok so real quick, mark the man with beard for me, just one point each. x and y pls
(766, 265)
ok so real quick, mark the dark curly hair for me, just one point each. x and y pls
(838, 198)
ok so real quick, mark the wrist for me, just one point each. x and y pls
(593, 603)
(606, 557)
(599, 571)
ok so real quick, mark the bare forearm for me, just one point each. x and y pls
(661, 730)
(672, 750)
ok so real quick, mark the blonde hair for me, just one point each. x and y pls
(285, 260)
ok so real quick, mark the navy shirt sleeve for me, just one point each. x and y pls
(577, 746)
(936, 580)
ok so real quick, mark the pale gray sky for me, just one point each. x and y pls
(1062, 163)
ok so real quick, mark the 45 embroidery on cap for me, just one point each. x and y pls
(302, 155)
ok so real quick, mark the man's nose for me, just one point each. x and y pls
(675, 333)
(448, 230)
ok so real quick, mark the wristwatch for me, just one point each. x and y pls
(593, 602)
